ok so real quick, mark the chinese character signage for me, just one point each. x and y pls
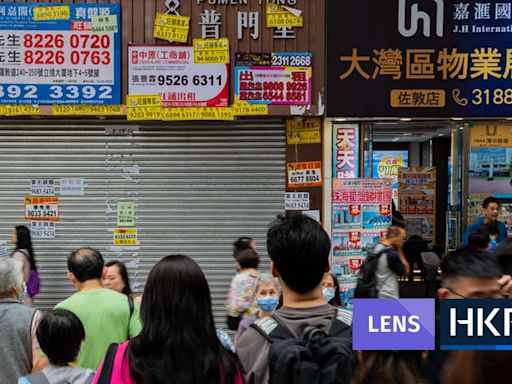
(42, 187)
(424, 59)
(345, 155)
(72, 187)
(125, 237)
(296, 201)
(417, 200)
(361, 214)
(42, 208)
(42, 229)
(50, 54)
(305, 174)
(125, 213)
(306, 131)
(171, 72)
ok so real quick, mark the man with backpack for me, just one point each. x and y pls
(306, 340)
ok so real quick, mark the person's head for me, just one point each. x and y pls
(503, 254)
(11, 278)
(395, 236)
(242, 243)
(85, 264)
(117, 278)
(178, 328)
(22, 240)
(299, 249)
(469, 274)
(247, 259)
(266, 292)
(390, 367)
(331, 289)
(491, 209)
(60, 334)
(478, 367)
(479, 239)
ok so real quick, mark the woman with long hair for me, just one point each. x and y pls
(25, 253)
(117, 279)
(178, 342)
(331, 289)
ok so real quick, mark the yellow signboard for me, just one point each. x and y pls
(277, 16)
(171, 27)
(489, 136)
(19, 110)
(418, 98)
(86, 109)
(144, 113)
(203, 113)
(299, 131)
(245, 109)
(125, 236)
(60, 12)
(143, 101)
(211, 51)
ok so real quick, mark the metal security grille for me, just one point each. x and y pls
(196, 188)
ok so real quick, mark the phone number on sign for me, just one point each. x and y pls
(27, 93)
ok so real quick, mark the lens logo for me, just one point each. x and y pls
(476, 324)
(384, 324)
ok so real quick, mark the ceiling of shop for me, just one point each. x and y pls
(409, 131)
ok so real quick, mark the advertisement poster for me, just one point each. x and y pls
(42, 187)
(273, 85)
(361, 215)
(417, 200)
(305, 174)
(296, 201)
(418, 59)
(307, 131)
(125, 213)
(345, 154)
(125, 236)
(40, 208)
(42, 229)
(49, 57)
(170, 71)
(72, 186)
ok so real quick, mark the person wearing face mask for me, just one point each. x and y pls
(19, 347)
(266, 289)
(331, 290)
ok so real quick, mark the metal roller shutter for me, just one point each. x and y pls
(196, 188)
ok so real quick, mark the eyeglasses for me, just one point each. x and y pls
(495, 295)
(456, 293)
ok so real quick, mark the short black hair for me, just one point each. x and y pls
(480, 238)
(489, 200)
(86, 264)
(60, 334)
(247, 258)
(242, 243)
(503, 255)
(299, 248)
(468, 262)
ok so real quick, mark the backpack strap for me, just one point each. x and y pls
(131, 305)
(38, 378)
(341, 324)
(272, 329)
(108, 364)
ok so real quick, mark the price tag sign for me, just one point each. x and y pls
(125, 214)
(104, 24)
(277, 16)
(42, 187)
(171, 27)
(39, 208)
(296, 201)
(86, 110)
(125, 236)
(20, 110)
(42, 229)
(245, 109)
(305, 174)
(144, 113)
(61, 12)
(211, 51)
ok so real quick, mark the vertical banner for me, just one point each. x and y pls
(417, 200)
(345, 154)
(361, 210)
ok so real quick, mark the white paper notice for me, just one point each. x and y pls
(42, 187)
(42, 229)
(296, 201)
(72, 187)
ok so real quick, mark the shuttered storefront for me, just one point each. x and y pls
(196, 188)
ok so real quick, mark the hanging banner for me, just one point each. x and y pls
(42, 229)
(361, 210)
(345, 154)
(49, 54)
(170, 71)
(419, 59)
(273, 85)
(305, 174)
(417, 200)
(42, 208)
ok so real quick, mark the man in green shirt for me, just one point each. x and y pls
(105, 314)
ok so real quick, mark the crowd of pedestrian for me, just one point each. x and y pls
(292, 326)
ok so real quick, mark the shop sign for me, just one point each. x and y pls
(171, 27)
(125, 236)
(306, 131)
(345, 151)
(42, 208)
(305, 174)
(419, 59)
(72, 187)
(490, 136)
(49, 55)
(296, 201)
(273, 85)
(170, 71)
(42, 229)
(42, 187)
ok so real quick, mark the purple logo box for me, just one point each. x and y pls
(393, 324)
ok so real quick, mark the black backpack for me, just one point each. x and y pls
(317, 358)
(367, 281)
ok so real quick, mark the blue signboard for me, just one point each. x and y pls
(51, 57)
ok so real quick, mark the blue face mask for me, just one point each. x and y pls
(23, 294)
(268, 303)
(328, 293)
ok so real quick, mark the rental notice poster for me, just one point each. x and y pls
(361, 215)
